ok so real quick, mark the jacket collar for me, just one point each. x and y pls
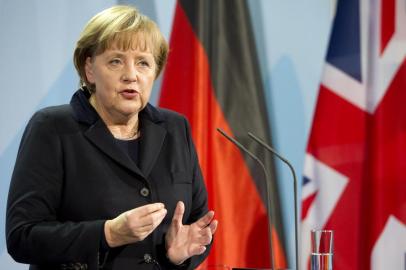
(152, 134)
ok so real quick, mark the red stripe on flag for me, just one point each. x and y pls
(241, 239)
(387, 22)
(306, 203)
(385, 189)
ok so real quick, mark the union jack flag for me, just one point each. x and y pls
(355, 167)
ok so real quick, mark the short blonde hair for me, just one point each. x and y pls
(126, 28)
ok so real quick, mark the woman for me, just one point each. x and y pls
(109, 181)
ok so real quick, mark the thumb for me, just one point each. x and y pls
(178, 215)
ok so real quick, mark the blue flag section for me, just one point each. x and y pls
(345, 41)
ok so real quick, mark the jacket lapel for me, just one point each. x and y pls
(101, 137)
(152, 139)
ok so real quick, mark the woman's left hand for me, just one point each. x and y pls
(185, 241)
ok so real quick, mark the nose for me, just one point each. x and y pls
(130, 74)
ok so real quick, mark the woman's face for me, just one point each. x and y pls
(123, 81)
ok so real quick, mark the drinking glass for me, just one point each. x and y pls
(321, 250)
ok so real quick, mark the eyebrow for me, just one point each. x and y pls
(116, 53)
(120, 52)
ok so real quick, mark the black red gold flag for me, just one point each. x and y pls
(213, 77)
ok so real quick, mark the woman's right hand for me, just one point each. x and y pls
(134, 225)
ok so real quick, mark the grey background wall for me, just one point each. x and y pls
(37, 39)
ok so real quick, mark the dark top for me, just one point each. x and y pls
(130, 148)
(71, 176)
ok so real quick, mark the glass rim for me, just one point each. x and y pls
(316, 230)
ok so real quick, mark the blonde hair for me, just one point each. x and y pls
(124, 27)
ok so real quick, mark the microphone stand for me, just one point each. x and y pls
(270, 149)
(268, 201)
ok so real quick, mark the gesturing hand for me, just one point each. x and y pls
(185, 241)
(134, 225)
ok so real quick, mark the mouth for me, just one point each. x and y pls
(129, 93)
(130, 90)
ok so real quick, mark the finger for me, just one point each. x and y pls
(144, 227)
(205, 240)
(159, 217)
(213, 226)
(179, 211)
(205, 237)
(198, 250)
(205, 220)
(148, 209)
(154, 219)
(151, 225)
(142, 232)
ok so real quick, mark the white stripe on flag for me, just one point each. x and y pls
(389, 250)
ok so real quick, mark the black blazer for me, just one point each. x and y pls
(70, 176)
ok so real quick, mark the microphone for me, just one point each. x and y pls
(270, 149)
(268, 197)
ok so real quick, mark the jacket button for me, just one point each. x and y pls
(147, 258)
(144, 192)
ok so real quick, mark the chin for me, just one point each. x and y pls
(131, 111)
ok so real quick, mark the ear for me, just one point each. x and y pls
(89, 70)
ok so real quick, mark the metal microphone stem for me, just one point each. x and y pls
(268, 199)
(269, 148)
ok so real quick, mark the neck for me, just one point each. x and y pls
(124, 132)
(121, 127)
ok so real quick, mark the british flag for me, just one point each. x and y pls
(355, 167)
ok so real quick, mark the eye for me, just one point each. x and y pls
(115, 62)
(144, 63)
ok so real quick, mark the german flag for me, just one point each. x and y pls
(213, 77)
